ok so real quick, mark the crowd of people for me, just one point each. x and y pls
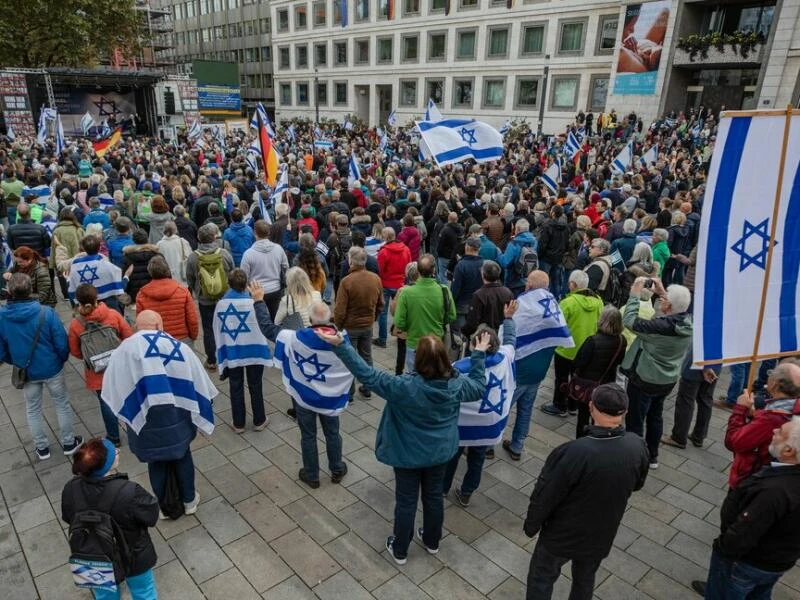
(483, 276)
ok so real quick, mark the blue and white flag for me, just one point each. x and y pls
(348, 126)
(218, 133)
(373, 245)
(325, 144)
(540, 323)
(86, 122)
(281, 186)
(353, 172)
(552, 176)
(260, 110)
(8, 261)
(317, 132)
(432, 112)
(40, 192)
(572, 146)
(505, 128)
(481, 423)
(61, 141)
(45, 116)
(624, 158)
(237, 335)
(454, 140)
(195, 131)
(105, 129)
(697, 128)
(291, 133)
(734, 244)
(392, 120)
(10, 134)
(384, 142)
(312, 374)
(580, 134)
(98, 272)
(151, 368)
(650, 157)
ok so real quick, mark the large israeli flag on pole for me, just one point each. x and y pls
(734, 269)
(454, 140)
(354, 173)
(624, 158)
(552, 176)
(392, 120)
(650, 157)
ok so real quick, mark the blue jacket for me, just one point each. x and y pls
(166, 434)
(510, 256)
(97, 215)
(240, 237)
(116, 245)
(488, 249)
(466, 280)
(20, 319)
(625, 245)
(419, 425)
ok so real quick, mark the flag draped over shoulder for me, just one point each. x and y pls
(152, 368)
(237, 335)
(312, 374)
(102, 146)
(481, 423)
(734, 242)
(98, 272)
(454, 140)
(540, 323)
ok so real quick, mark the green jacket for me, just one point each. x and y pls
(420, 310)
(69, 236)
(660, 344)
(581, 310)
(661, 255)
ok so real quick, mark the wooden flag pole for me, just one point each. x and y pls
(773, 228)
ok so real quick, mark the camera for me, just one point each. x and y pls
(648, 284)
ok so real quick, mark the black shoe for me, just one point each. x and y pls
(365, 391)
(292, 413)
(430, 550)
(490, 453)
(70, 449)
(339, 475)
(390, 547)
(309, 482)
(699, 587)
(695, 442)
(463, 499)
(43, 453)
(379, 343)
(511, 453)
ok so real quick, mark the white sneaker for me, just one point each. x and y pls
(191, 508)
(162, 516)
(653, 466)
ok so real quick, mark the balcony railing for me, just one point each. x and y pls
(739, 47)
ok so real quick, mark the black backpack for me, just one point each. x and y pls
(527, 262)
(99, 555)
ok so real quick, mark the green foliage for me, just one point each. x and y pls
(69, 33)
(741, 42)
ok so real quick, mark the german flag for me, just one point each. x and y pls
(104, 145)
(269, 156)
(390, 9)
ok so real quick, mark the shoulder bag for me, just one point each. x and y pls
(19, 375)
(293, 320)
(580, 389)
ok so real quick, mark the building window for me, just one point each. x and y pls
(598, 91)
(606, 34)
(340, 54)
(408, 92)
(302, 94)
(283, 57)
(254, 81)
(301, 56)
(410, 7)
(286, 94)
(462, 93)
(438, 5)
(565, 92)
(362, 10)
(532, 40)
(465, 46)
(283, 21)
(337, 12)
(494, 93)
(320, 14)
(498, 43)
(410, 45)
(527, 92)
(570, 37)
(322, 93)
(383, 9)
(264, 26)
(437, 45)
(321, 54)
(435, 89)
(341, 92)
(467, 4)
(265, 53)
(385, 48)
(300, 17)
(362, 52)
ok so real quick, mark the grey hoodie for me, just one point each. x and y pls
(264, 261)
(192, 275)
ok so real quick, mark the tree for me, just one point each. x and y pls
(67, 33)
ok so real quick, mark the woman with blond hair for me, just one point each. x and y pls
(298, 297)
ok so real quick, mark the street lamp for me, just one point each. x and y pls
(543, 97)
(316, 95)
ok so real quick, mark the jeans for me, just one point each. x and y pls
(109, 419)
(383, 318)
(691, 391)
(307, 421)
(476, 455)
(327, 293)
(524, 397)
(563, 370)
(733, 580)
(546, 567)
(556, 273)
(740, 373)
(441, 269)
(113, 303)
(207, 320)
(407, 485)
(185, 468)
(33, 393)
(361, 340)
(236, 377)
(141, 587)
(411, 355)
(645, 409)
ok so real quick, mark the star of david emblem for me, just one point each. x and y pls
(313, 360)
(88, 274)
(240, 316)
(101, 105)
(744, 248)
(551, 308)
(153, 350)
(486, 404)
(468, 135)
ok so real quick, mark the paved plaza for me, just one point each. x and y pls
(260, 533)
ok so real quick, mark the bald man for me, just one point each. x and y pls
(149, 320)
(750, 429)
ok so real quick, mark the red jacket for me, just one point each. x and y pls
(174, 303)
(311, 222)
(105, 316)
(392, 261)
(411, 238)
(749, 439)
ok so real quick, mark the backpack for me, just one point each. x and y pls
(612, 292)
(99, 556)
(213, 282)
(98, 342)
(527, 262)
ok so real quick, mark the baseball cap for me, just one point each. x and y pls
(610, 399)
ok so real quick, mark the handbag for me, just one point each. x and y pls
(19, 375)
(172, 503)
(293, 320)
(580, 389)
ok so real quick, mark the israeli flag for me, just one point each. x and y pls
(218, 133)
(734, 243)
(47, 114)
(317, 132)
(325, 144)
(392, 120)
(432, 113)
(260, 110)
(650, 157)
(372, 245)
(454, 140)
(384, 141)
(572, 146)
(8, 261)
(237, 335)
(481, 423)
(552, 176)
(354, 173)
(98, 272)
(195, 131)
(105, 129)
(696, 129)
(38, 191)
(250, 159)
(60, 139)
(291, 133)
(10, 134)
(348, 126)
(312, 374)
(86, 122)
(580, 134)
(540, 323)
(624, 158)
(280, 187)
(152, 368)
(505, 128)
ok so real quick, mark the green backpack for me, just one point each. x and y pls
(213, 281)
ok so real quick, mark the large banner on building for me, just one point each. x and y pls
(641, 42)
(15, 104)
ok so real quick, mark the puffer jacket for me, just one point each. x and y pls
(105, 316)
(30, 234)
(240, 236)
(166, 434)
(174, 303)
(361, 223)
(392, 261)
(41, 288)
(554, 241)
(20, 319)
(410, 237)
(139, 256)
